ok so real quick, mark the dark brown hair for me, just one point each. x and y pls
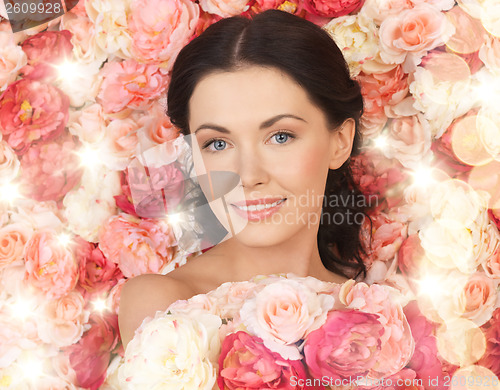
(308, 54)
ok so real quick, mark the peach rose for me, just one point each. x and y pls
(409, 140)
(380, 90)
(13, 238)
(231, 296)
(129, 84)
(397, 342)
(224, 9)
(159, 29)
(50, 170)
(156, 128)
(9, 163)
(137, 246)
(12, 59)
(407, 36)
(491, 265)
(478, 298)
(283, 312)
(50, 266)
(378, 10)
(45, 51)
(61, 322)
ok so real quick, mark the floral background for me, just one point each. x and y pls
(83, 95)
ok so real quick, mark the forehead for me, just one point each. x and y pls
(250, 94)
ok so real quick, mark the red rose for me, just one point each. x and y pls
(32, 111)
(90, 356)
(45, 51)
(332, 8)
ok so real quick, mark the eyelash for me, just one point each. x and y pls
(211, 140)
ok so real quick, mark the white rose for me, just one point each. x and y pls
(110, 20)
(356, 36)
(90, 205)
(440, 101)
(174, 352)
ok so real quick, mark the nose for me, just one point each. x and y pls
(251, 167)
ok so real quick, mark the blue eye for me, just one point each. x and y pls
(282, 137)
(215, 145)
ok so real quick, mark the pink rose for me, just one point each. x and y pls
(90, 356)
(495, 216)
(13, 238)
(425, 361)
(245, 364)
(129, 84)
(206, 19)
(160, 29)
(45, 51)
(31, 111)
(397, 342)
(412, 33)
(60, 322)
(119, 143)
(9, 163)
(332, 9)
(347, 345)
(478, 298)
(50, 266)
(137, 246)
(97, 274)
(50, 170)
(153, 195)
(491, 357)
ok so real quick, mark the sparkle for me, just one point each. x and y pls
(174, 218)
(68, 70)
(100, 305)
(422, 176)
(430, 285)
(89, 157)
(9, 192)
(380, 142)
(32, 368)
(64, 239)
(21, 308)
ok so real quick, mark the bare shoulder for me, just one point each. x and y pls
(143, 296)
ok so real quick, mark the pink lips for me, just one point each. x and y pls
(257, 215)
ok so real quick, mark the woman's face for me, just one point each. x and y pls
(260, 124)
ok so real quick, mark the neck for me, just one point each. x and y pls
(298, 255)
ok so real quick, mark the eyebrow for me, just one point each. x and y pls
(266, 124)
